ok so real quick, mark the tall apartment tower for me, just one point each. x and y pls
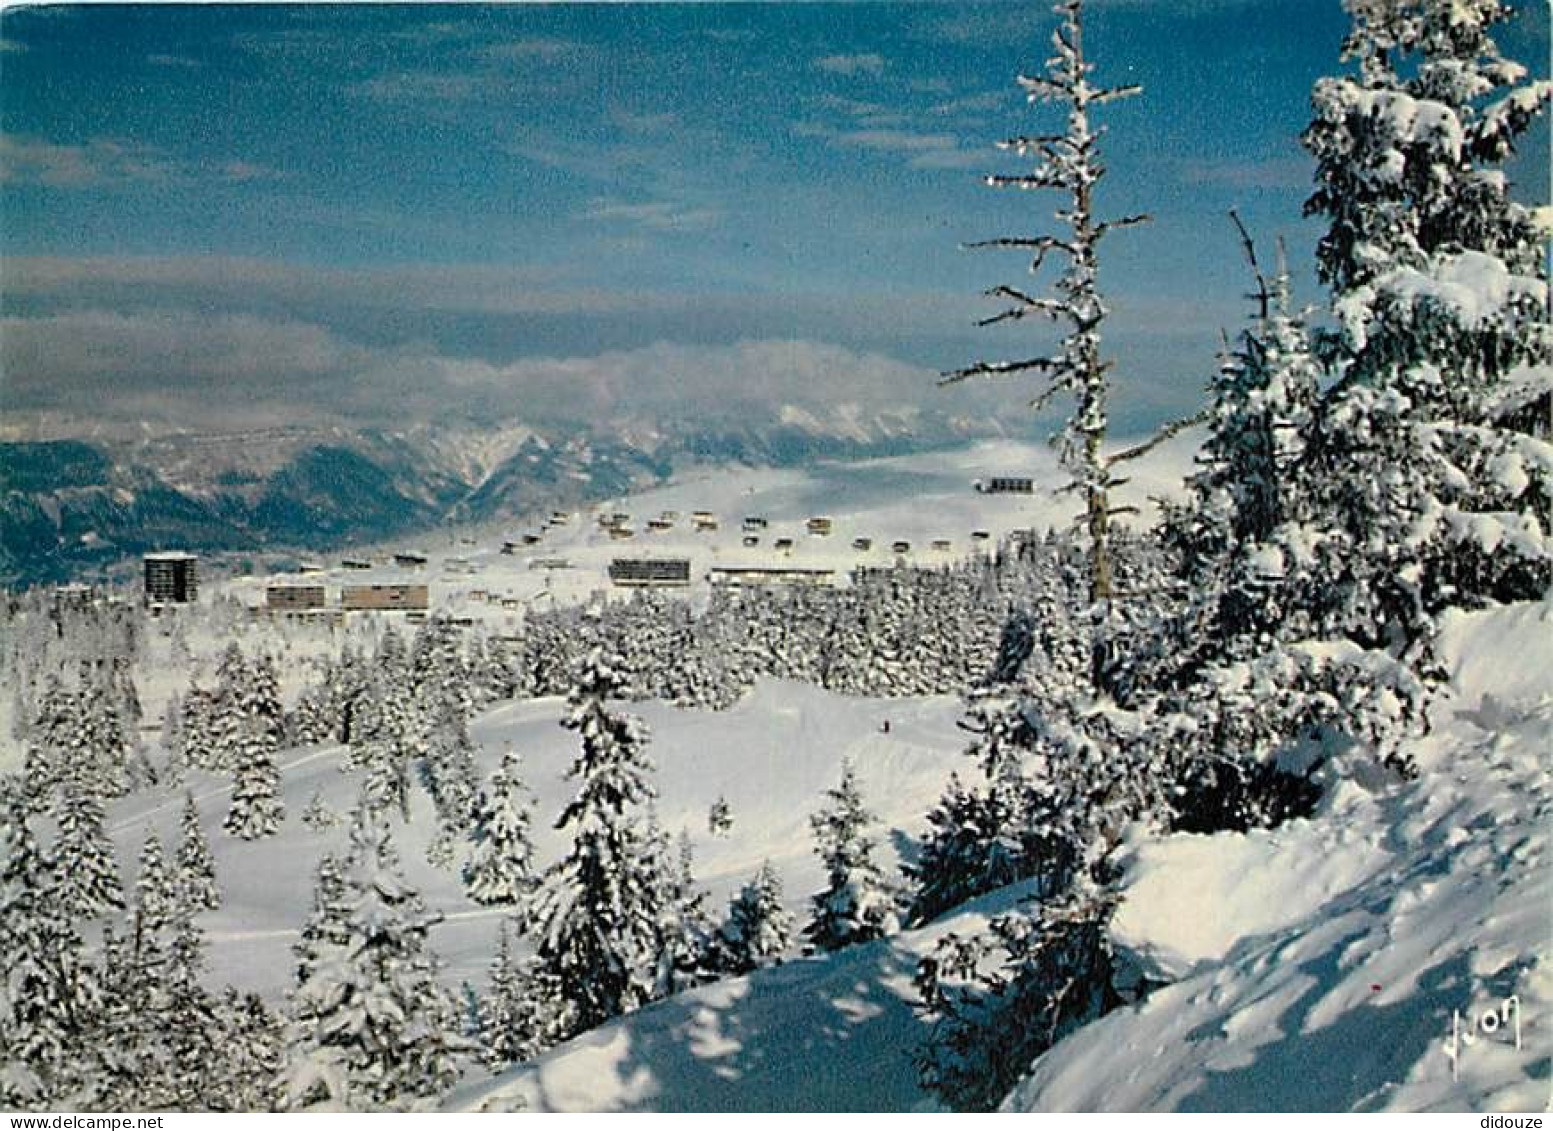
(171, 578)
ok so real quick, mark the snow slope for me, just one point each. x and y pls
(771, 756)
(1323, 965)
(1312, 967)
(817, 1034)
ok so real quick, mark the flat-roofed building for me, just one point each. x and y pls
(747, 575)
(650, 571)
(387, 597)
(74, 596)
(1006, 485)
(288, 598)
(172, 578)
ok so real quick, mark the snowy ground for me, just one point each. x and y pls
(1315, 967)
(1320, 965)
(1325, 964)
(771, 757)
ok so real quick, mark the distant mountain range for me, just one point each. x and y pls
(72, 508)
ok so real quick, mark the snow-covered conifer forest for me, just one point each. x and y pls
(1212, 774)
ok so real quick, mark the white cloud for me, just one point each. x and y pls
(98, 162)
(106, 162)
(979, 104)
(215, 281)
(921, 150)
(535, 47)
(191, 369)
(655, 215)
(864, 64)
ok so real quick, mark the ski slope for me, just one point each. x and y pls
(772, 757)
(1317, 966)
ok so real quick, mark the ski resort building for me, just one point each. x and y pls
(1006, 485)
(770, 575)
(642, 572)
(293, 598)
(171, 578)
(385, 598)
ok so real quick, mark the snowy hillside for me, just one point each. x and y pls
(1324, 963)
(1315, 965)
(770, 758)
(919, 499)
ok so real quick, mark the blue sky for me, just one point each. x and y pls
(217, 215)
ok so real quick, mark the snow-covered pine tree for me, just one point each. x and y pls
(196, 868)
(1069, 163)
(719, 818)
(685, 930)
(759, 929)
(50, 999)
(980, 838)
(83, 862)
(595, 918)
(1247, 518)
(102, 741)
(999, 999)
(387, 735)
(257, 809)
(371, 1027)
(437, 669)
(319, 815)
(196, 732)
(172, 739)
(500, 868)
(857, 904)
(326, 925)
(194, 1028)
(157, 901)
(161, 1033)
(520, 1015)
(1439, 283)
(129, 1076)
(253, 1057)
(52, 723)
(218, 719)
(450, 775)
